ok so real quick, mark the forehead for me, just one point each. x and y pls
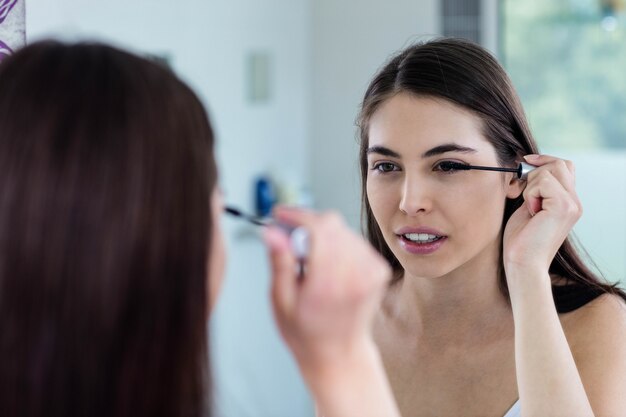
(409, 123)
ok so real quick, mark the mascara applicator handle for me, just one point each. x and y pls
(299, 238)
(524, 169)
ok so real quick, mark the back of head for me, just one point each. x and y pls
(106, 171)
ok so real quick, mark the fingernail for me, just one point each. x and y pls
(293, 209)
(287, 213)
(531, 157)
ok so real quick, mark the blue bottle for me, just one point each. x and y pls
(265, 196)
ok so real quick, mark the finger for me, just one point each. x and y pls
(298, 216)
(283, 267)
(326, 230)
(545, 192)
(295, 216)
(540, 160)
(327, 274)
(562, 170)
(533, 194)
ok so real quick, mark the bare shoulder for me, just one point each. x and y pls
(596, 334)
(603, 317)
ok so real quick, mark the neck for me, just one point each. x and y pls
(465, 306)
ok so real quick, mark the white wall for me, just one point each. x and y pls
(208, 43)
(602, 191)
(351, 40)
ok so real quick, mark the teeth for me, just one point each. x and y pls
(421, 237)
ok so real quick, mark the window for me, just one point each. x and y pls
(567, 59)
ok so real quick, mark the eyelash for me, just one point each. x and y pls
(450, 170)
(394, 167)
(377, 167)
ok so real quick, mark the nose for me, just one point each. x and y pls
(416, 197)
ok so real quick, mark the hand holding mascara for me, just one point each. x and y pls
(329, 311)
(299, 237)
(537, 229)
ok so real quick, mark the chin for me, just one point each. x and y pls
(426, 268)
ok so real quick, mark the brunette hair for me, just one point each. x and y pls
(106, 171)
(466, 75)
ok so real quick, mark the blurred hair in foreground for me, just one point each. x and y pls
(106, 170)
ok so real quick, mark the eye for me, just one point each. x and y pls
(449, 166)
(385, 167)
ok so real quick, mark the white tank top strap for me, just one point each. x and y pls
(514, 411)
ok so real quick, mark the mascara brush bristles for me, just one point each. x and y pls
(236, 212)
(464, 167)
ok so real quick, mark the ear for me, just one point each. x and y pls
(515, 187)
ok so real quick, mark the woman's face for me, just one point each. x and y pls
(434, 221)
(217, 255)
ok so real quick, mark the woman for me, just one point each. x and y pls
(111, 253)
(491, 309)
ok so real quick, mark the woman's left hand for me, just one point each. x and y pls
(551, 207)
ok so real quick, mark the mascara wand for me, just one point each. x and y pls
(259, 221)
(522, 169)
(298, 236)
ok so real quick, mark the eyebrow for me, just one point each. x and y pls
(448, 147)
(383, 151)
(437, 150)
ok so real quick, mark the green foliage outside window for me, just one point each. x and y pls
(567, 59)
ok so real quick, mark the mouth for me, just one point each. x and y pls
(421, 238)
(421, 242)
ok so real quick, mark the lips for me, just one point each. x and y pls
(421, 237)
(421, 240)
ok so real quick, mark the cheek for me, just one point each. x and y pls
(382, 198)
(217, 264)
(478, 209)
(217, 251)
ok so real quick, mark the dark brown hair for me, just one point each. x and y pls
(465, 74)
(106, 170)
